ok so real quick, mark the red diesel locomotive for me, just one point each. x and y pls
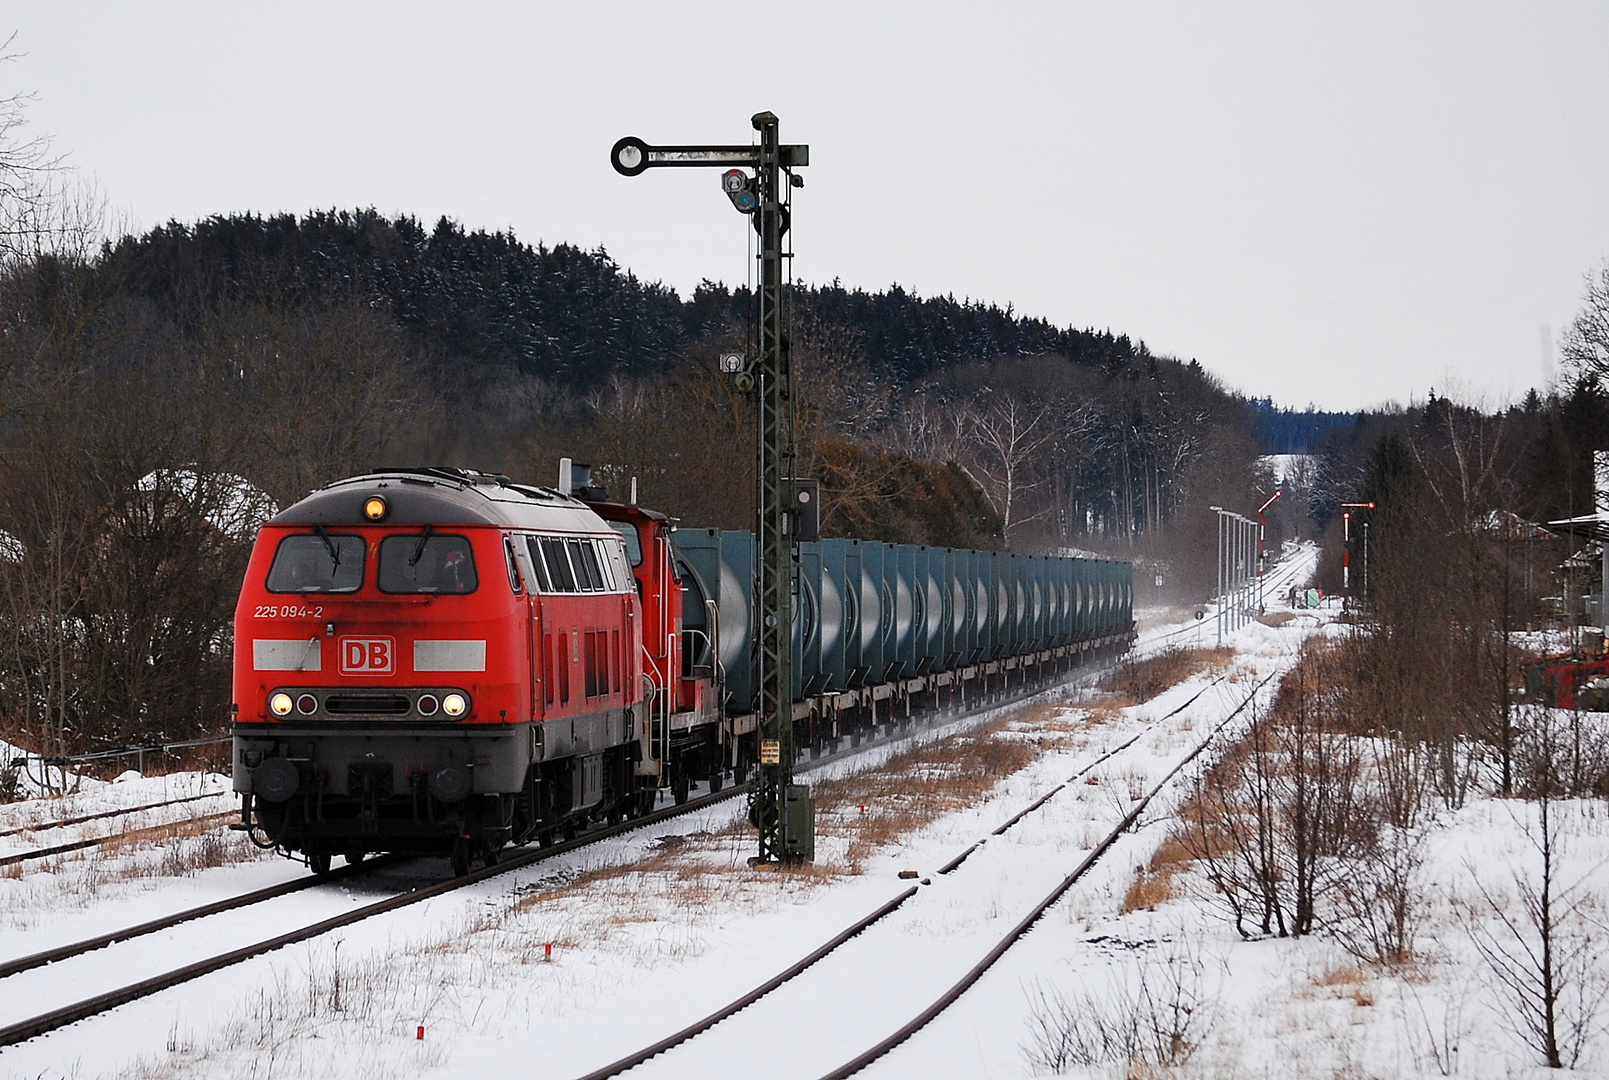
(441, 661)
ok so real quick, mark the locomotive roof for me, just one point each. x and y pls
(614, 511)
(443, 497)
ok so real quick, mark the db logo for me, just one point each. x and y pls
(367, 656)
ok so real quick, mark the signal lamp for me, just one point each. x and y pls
(427, 704)
(740, 189)
(307, 704)
(280, 704)
(455, 705)
(374, 508)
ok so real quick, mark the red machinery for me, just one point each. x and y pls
(437, 660)
(1570, 682)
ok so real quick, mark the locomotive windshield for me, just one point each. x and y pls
(317, 563)
(423, 563)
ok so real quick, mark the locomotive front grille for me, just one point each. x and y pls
(368, 705)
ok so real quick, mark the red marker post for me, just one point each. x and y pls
(1346, 540)
(1346, 552)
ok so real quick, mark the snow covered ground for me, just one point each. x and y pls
(652, 931)
(129, 802)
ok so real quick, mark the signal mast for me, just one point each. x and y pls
(781, 810)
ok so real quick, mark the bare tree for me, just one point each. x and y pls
(331, 389)
(1008, 434)
(928, 425)
(1157, 1016)
(1585, 348)
(1281, 818)
(45, 208)
(1543, 956)
(28, 170)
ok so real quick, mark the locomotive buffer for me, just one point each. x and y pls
(780, 809)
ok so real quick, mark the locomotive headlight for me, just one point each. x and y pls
(374, 508)
(454, 704)
(280, 704)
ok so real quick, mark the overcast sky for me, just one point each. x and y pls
(1338, 204)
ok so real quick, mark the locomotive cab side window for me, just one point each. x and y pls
(426, 563)
(628, 533)
(618, 561)
(539, 566)
(559, 570)
(513, 565)
(587, 571)
(317, 563)
(578, 564)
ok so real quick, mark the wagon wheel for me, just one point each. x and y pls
(460, 859)
(318, 862)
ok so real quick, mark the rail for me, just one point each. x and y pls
(70, 1014)
(639, 1057)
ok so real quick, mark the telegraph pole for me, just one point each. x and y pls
(781, 810)
(1237, 548)
(1262, 546)
(1218, 613)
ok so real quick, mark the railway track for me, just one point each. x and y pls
(1021, 929)
(95, 841)
(80, 1010)
(1281, 578)
(1011, 937)
(950, 866)
(1284, 575)
(54, 1019)
(60, 823)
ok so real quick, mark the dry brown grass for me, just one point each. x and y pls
(1153, 884)
(922, 783)
(1348, 982)
(1196, 830)
(867, 813)
(186, 846)
(859, 815)
(77, 879)
(1347, 975)
(1136, 681)
(123, 843)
